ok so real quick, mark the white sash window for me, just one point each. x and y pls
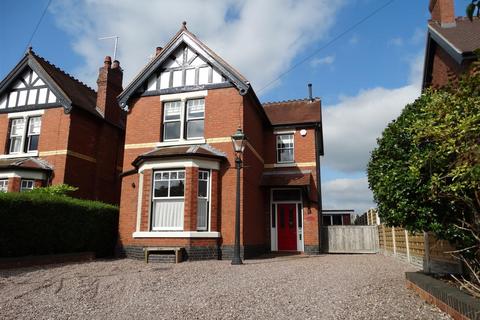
(24, 135)
(203, 200)
(168, 200)
(183, 120)
(285, 148)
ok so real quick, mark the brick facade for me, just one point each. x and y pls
(82, 147)
(227, 107)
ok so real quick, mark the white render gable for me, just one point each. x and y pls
(184, 68)
(29, 89)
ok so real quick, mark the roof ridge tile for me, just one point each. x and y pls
(62, 71)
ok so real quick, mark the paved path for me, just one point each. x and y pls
(324, 287)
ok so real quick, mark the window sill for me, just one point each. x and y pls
(180, 143)
(175, 234)
(285, 164)
(19, 155)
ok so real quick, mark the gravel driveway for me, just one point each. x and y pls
(323, 287)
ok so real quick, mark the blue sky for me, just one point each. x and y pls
(364, 78)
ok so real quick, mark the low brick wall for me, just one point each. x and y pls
(195, 253)
(192, 253)
(449, 299)
(29, 261)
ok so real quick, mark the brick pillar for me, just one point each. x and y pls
(191, 199)
(14, 184)
(38, 184)
(146, 201)
(214, 201)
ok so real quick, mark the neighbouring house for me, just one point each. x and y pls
(179, 175)
(451, 42)
(56, 130)
(337, 217)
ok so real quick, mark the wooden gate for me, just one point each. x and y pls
(349, 239)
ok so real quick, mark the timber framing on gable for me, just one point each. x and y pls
(184, 38)
(28, 62)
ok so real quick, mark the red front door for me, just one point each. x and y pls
(287, 226)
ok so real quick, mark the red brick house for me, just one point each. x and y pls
(54, 129)
(451, 42)
(178, 186)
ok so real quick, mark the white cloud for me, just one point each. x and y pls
(259, 38)
(352, 126)
(347, 194)
(397, 42)
(328, 60)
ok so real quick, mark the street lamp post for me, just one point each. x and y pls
(238, 141)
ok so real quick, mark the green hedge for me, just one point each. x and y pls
(37, 224)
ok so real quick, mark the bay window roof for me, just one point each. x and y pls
(203, 151)
(25, 163)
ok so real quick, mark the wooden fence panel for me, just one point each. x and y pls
(388, 239)
(400, 240)
(381, 237)
(416, 244)
(350, 239)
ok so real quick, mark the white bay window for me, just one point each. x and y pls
(168, 200)
(26, 185)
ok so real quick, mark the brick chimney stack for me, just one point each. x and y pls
(443, 11)
(109, 84)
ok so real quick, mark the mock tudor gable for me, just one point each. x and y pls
(35, 83)
(184, 65)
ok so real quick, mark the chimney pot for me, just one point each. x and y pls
(116, 64)
(158, 50)
(310, 94)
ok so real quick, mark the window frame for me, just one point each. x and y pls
(16, 136)
(25, 136)
(168, 198)
(23, 189)
(206, 198)
(29, 135)
(170, 171)
(180, 116)
(278, 149)
(184, 120)
(3, 185)
(192, 119)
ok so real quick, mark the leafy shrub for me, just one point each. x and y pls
(36, 223)
(425, 171)
(55, 190)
